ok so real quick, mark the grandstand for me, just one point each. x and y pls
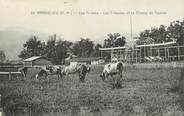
(160, 52)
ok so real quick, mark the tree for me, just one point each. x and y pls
(83, 48)
(57, 49)
(176, 31)
(61, 50)
(2, 56)
(159, 35)
(32, 47)
(51, 49)
(114, 40)
(97, 52)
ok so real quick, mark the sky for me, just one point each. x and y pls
(91, 18)
(17, 13)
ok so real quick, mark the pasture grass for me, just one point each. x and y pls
(144, 92)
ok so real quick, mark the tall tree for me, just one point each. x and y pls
(176, 31)
(2, 56)
(61, 50)
(114, 40)
(159, 35)
(32, 47)
(51, 49)
(97, 52)
(57, 49)
(83, 48)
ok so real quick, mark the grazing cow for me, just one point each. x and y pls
(55, 70)
(23, 71)
(41, 73)
(80, 69)
(49, 70)
(71, 69)
(112, 69)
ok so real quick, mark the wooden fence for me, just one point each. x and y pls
(10, 67)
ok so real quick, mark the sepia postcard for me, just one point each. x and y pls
(91, 58)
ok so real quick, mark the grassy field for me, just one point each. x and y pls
(144, 92)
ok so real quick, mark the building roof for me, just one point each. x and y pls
(32, 58)
(84, 59)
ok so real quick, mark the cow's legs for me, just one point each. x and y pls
(23, 76)
(47, 77)
(60, 76)
(103, 76)
(120, 74)
(36, 77)
(106, 75)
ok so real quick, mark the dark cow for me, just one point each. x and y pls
(42, 73)
(55, 70)
(49, 70)
(82, 71)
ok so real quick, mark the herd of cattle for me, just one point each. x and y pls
(81, 70)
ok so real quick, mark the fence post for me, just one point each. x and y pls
(1, 109)
(0, 101)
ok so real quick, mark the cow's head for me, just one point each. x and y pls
(120, 66)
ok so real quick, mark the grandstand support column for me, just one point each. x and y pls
(101, 53)
(120, 57)
(151, 51)
(112, 54)
(136, 55)
(165, 54)
(158, 51)
(132, 55)
(178, 53)
(168, 53)
(144, 51)
(140, 56)
(9, 75)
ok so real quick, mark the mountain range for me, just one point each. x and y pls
(12, 40)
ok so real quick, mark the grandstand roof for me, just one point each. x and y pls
(145, 45)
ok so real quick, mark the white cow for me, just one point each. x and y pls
(80, 69)
(112, 69)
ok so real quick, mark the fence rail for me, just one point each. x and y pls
(10, 67)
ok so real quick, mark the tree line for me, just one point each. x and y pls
(173, 32)
(57, 50)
